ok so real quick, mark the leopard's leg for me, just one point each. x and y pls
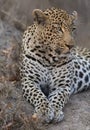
(60, 89)
(58, 98)
(36, 97)
(30, 81)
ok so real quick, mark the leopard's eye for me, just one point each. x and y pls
(60, 30)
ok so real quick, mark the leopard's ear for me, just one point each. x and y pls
(39, 16)
(74, 16)
(74, 20)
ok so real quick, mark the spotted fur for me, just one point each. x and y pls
(52, 68)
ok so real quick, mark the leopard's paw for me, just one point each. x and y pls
(44, 114)
(59, 116)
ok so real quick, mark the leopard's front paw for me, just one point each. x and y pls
(59, 115)
(44, 114)
(49, 116)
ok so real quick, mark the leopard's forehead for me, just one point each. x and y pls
(58, 15)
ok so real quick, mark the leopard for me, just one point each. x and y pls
(52, 66)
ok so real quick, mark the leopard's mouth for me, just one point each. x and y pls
(69, 46)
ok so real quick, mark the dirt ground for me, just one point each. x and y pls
(15, 112)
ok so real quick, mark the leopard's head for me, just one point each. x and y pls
(54, 27)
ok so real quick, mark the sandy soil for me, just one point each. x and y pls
(15, 112)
